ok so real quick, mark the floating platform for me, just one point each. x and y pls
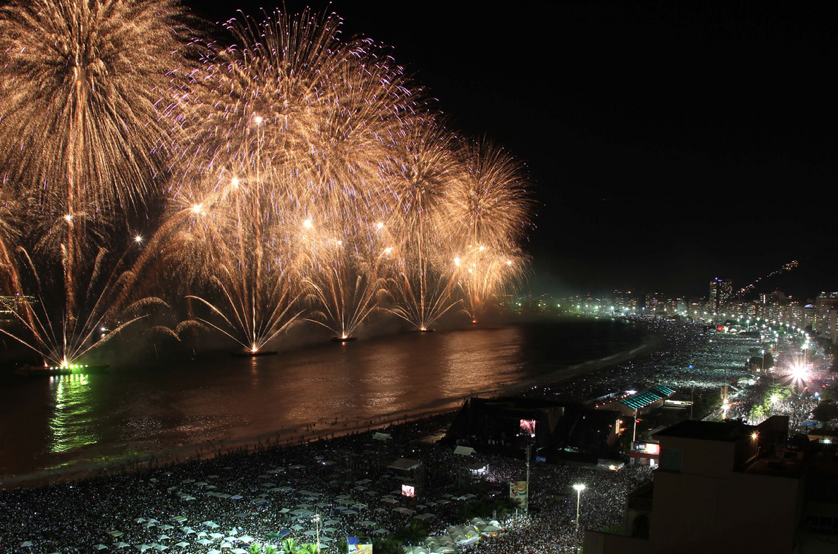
(249, 354)
(344, 339)
(53, 371)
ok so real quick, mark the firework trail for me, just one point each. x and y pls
(345, 274)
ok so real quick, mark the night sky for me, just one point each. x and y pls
(668, 142)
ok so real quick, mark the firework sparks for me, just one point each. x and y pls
(490, 204)
(80, 86)
(302, 167)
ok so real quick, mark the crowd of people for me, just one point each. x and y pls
(259, 496)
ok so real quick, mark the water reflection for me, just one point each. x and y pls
(72, 425)
(216, 397)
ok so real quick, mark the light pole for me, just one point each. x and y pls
(527, 498)
(579, 488)
(316, 520)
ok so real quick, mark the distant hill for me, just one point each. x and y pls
(805, 282)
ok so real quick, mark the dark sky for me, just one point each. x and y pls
(669, 142)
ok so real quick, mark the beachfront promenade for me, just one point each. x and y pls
(241, 498)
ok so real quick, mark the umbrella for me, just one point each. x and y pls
(204, 541)
(202, 534)
(246, 538)
(166, 527)
(99, 546)
(236, 497)
(239, 551)
(214, 551)
(212, 524)
(216, 535)
(226, 545)
(142, 547)
(310, 533)
(179, 519)
(139, 520)
(368, 523)
(331, 522)
(380, 532)
(297, 527)
(181, 544)
(26, 543)
(115, 534)
(164, 537)
(160, 547)
(122, 544)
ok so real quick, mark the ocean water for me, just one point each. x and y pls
(52, 423)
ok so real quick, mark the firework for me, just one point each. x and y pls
(491, 207)
(303, 167)
(482, 275)
(80, 87)
(345, 275)
(421, 174)
(287, 127)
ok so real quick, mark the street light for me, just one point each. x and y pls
(579, 488)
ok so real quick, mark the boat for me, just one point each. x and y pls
(53, 371)
(251, 354)
(344, 339)
(425, 330)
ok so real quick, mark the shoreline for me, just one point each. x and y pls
(314, 432)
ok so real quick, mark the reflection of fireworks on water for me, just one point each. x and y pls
(80, 84)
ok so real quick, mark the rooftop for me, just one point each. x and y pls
(727, 431)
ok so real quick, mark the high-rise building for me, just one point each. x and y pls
(721, 291)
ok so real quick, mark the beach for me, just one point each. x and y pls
(323, 429)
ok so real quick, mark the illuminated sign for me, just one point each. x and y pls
(355, 546)
(408, 491)
(647, 448)
(528, 427)
(518, 492)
